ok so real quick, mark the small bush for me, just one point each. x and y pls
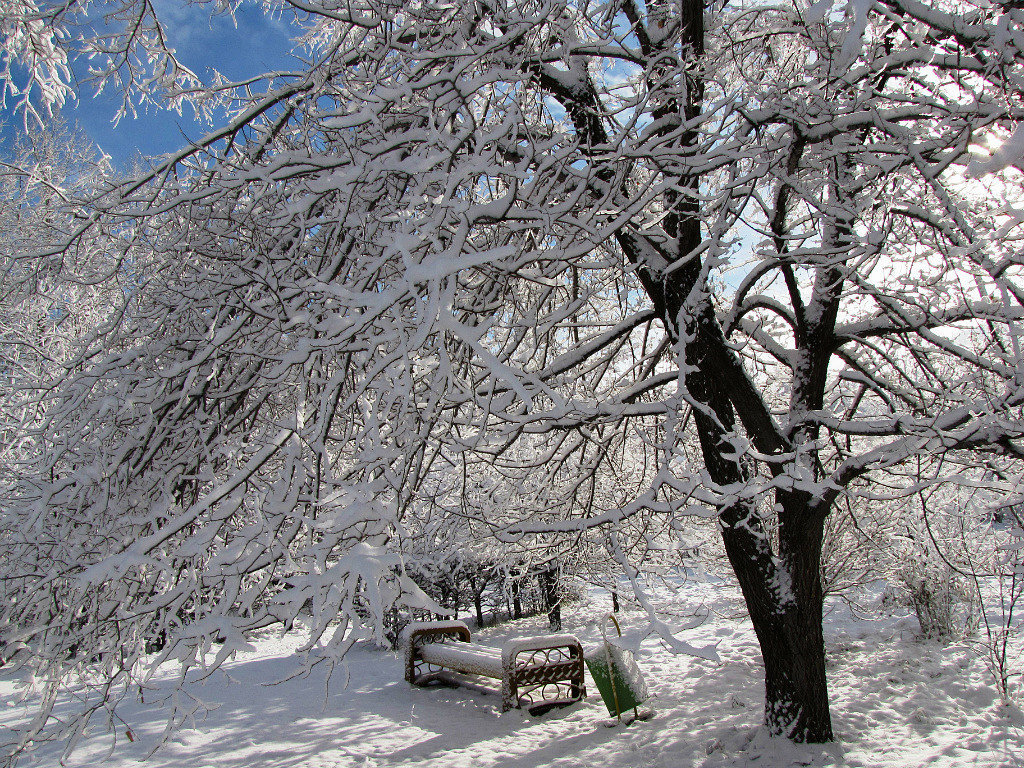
(945, 602)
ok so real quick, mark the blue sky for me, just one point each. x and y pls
(257, 44)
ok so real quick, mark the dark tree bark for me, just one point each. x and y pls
(476, 585)
(517, 598)
(549, 589)
(786, 617)
(782, 588)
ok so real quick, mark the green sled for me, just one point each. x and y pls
(622, 687)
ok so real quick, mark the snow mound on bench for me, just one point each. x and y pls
(464, 657)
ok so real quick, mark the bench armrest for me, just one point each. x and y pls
(533, 651)
(543, 671)
(420, 633)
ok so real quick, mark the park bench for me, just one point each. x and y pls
(536, 673)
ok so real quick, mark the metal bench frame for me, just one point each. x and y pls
(536, 673)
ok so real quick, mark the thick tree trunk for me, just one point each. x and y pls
(784, 598)
(478, 604)
(782, 589)
(783, 592)
(478, 590)
(516, 588)
(552, 599)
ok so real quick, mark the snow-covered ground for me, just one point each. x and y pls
(897, 701)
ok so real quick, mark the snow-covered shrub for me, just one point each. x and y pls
(999, 584)
(851, 555)
(937, 545)
(945, 602)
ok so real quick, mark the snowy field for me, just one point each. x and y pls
(897, 701)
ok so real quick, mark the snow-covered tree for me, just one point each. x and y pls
(49, 305)
(556, 239)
